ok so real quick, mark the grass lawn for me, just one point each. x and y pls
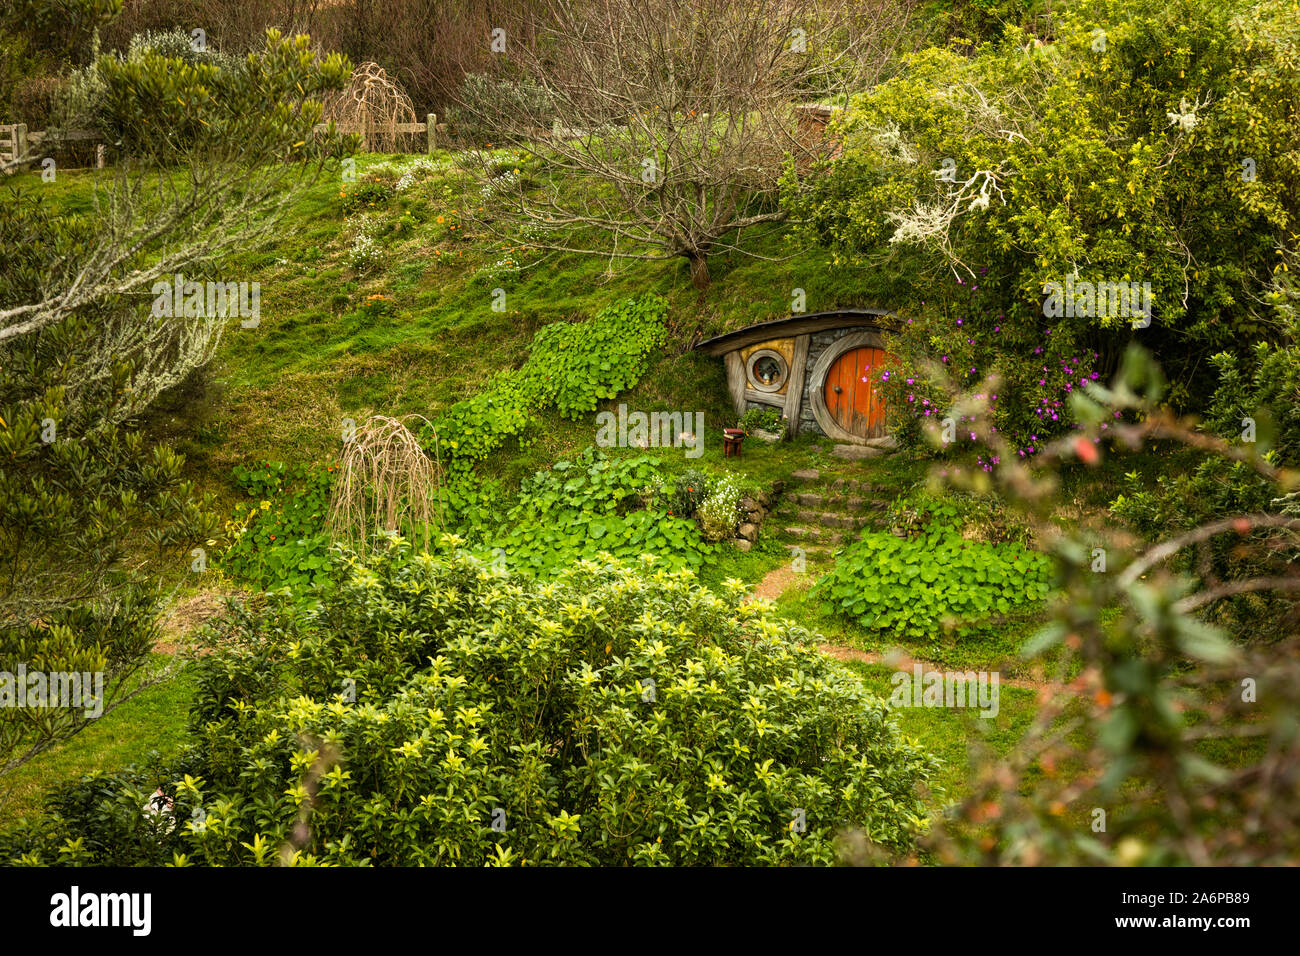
(154, 721)
(948, 732)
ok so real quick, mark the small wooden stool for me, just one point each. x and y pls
(731, 439)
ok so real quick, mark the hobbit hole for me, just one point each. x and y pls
(821, 372)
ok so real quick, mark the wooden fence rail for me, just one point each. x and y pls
(15, 140)
(429, 128)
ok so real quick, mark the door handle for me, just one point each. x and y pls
(837, 390)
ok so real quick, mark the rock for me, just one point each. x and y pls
(856, 452)
(838, 483)
(807, 474)
(836, 521)
(778, 486)
(889, 442)
(748, 504)
(766, 436)
(749, 531)
(765, 498)
(810, 499)
(817, 449)
(743, 545)
(855, 504)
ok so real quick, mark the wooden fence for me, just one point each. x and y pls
(429, 128)
(15, 140)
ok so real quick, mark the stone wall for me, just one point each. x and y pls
(755, 509)
(818, 344)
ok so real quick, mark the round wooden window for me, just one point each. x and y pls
(767, 370)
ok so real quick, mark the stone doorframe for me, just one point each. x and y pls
(817, 384)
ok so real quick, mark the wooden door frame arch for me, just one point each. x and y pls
(817, 383)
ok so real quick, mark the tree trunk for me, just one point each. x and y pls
(699, 270)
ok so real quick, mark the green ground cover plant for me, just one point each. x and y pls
(933, 583)
(571, 367)
(597, 504)
(278, 535)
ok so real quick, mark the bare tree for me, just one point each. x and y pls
(662, 127)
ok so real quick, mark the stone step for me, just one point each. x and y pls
(838, 484)
(825, 502)
(856, 452)
(811, 550)
(828, 519)
(813, 534)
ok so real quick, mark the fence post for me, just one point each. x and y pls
(99, 156)
(432, 131)
(20, 140)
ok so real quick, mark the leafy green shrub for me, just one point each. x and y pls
(281, 540)
(612, 716)
(720, 512)
(581, 508)
(1137, 133)
(108, 813)
(914, 586)
(982, 515)
(1255, 397)
(959, 338)
(690, 489)
(766, 419)
(92, 97)
(523, 101)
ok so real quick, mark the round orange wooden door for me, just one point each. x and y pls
(852, 392)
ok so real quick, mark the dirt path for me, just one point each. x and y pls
(187, 615)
